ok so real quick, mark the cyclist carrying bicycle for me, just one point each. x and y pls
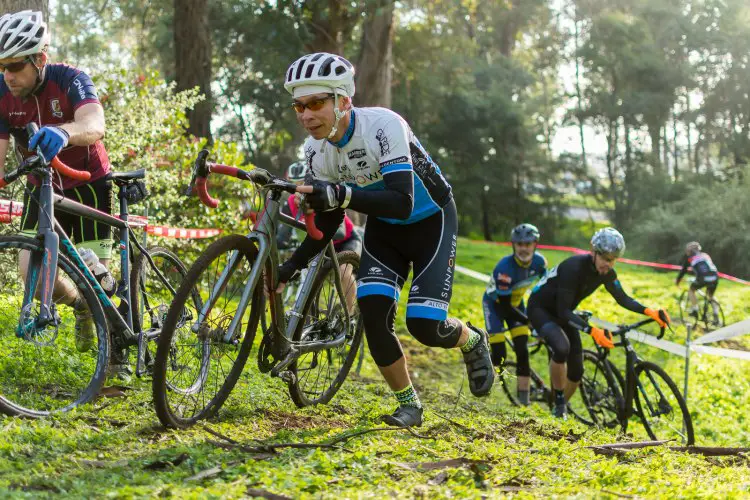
(557, 295)
(706, 275)
(503, 302)
(370, 161)
(62, 100)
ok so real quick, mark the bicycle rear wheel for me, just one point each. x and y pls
(319, 375)
(195, 369)
(661, 406)
(599, 393)
(538, 393)
(41, 370)
(150, 295)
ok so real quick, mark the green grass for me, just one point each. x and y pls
(117, 448)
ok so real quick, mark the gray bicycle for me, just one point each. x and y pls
(310, 347)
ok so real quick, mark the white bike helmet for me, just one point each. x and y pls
(22, 34)
(321, 73)
(318, 73)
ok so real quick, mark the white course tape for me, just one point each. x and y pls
(720, 351)
(473, 274)
(735, 330)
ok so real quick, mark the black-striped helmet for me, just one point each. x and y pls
(318, 73)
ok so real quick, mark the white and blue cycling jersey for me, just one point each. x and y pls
(377, 143)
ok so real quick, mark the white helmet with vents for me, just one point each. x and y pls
(22, 34)
(319, 73)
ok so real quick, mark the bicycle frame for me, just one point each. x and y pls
(625, 402)
(54, 238)
(263, 236)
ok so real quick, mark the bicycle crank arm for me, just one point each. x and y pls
(290, 358)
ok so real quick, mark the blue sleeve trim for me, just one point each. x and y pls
(398, 167)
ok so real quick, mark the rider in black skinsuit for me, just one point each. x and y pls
(554, 299)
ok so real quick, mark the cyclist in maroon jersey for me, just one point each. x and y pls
(62, 101)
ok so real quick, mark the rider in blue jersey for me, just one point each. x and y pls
(370, 161)
(503, 302)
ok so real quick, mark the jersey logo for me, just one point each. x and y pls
(385, 147)
(79, 86)
(504, 278)
(309, 154)
(57, 111)
(356, 153)
(376, 270)
(415, 289)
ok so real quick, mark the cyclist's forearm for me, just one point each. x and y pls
(625, 300)
(87, 127)
(508, 311)
(395, 202)
(565, 306)
(327, 223)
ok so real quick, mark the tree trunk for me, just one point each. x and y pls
(676, 152)
(374, 66)
(654, 132)
(329, 24)
(7, 6)
(192, 42)
(578, 91)
(688, 156)
(485, 217)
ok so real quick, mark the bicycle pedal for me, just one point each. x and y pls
(288, 377)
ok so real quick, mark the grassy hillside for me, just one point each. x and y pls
(117, 448)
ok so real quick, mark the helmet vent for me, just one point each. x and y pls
(325, 69)
(299, 70)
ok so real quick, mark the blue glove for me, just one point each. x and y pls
(50, 140)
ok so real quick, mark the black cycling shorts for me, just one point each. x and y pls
(83, 231)
(710, 281)
(428, 245)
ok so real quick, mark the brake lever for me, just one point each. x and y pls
(199, 169)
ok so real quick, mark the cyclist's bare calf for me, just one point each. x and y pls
(65, 291)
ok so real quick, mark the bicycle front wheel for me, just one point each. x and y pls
(320, 374)
(713, 315)
(599, 397)
(685, 317)
(195, 367)
(46, 370)
(661, 406)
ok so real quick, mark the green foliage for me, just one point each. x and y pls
(146, 124)
(114, 447)
(714, 213)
